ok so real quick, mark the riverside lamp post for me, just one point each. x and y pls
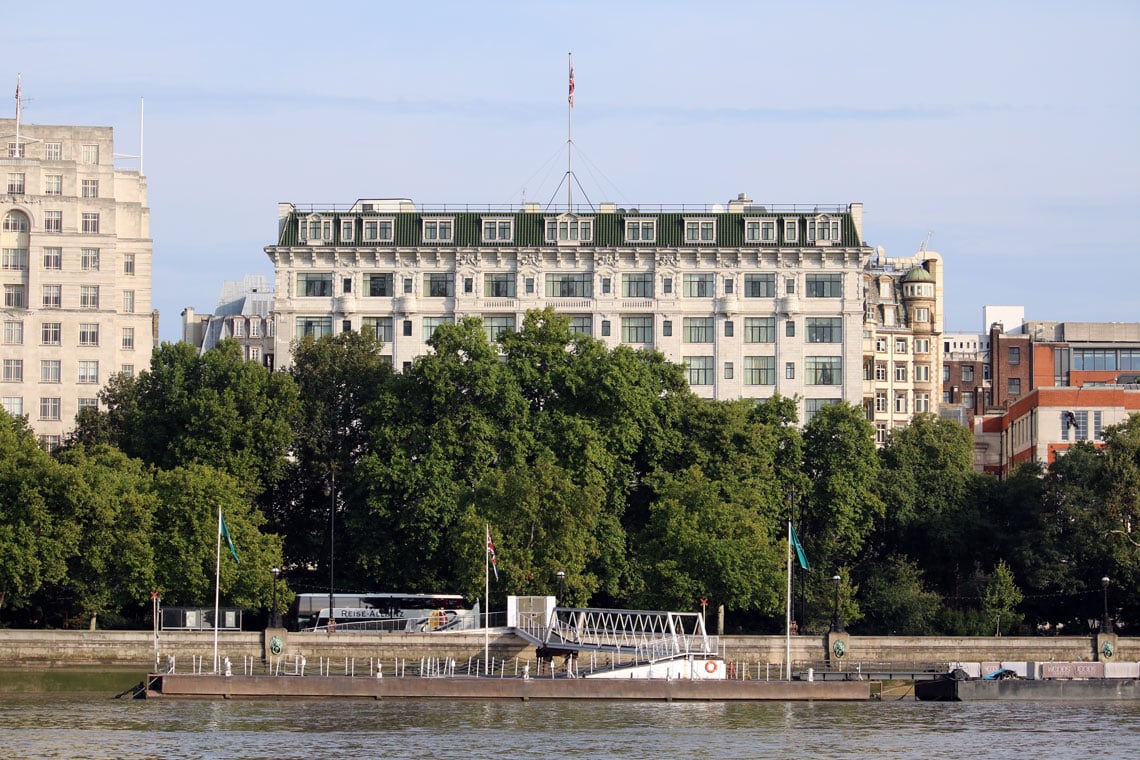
(1106, 622)
(274, 617)
(561, 576)
(836, 623)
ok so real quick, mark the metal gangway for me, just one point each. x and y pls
(648, 635)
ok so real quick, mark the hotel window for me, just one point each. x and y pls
(13, 370)
(759, 231)
(790, 286)
(759, 370)
(13, 333)
(789, 370)
(50, 409)
(922, 345)
(127, 369)
(378, 285)
(640, 231)
(577, 285)
(700, 231)
(637, 330)
(53, 221)
(53, 184)
(728, 370)
(813, 405)
(582, 325)
(700, 369)
(437, 230)
(15, 221)
(880, 371)
(824, 329)
(13, 405)
(53, 296)
(921, 314)
(569, 230)
(823, 286)
(128, 341)
(900, 402)
(128, 264)
(314, 327)
(378, 230)
(53, 151)
(606, 283)
(407, 328)
(89, 372)
(316, 230)
(496, 327)
(315, 284)
(667, 285)
(239, 328)
(880, 401)
(14, 296)
(900, 345)
(823, 230)
(51, 333)
(1015, 355)
(53, 258)
(697, 330)
(89, 259)
(255, 354)
(528, 284)
(667, 328)
(900, 372)
(967, 373)
(89, 296)
(791, 231)
(759, 285)
(128, 301)
(499, 285)
(89, 188)
(699, 285)
(759, 329)
(605, 328)
(89, 154)
(922, 403)
(346, 230)
(728, 285)
(728, 328)
(790, 328)
(15, 150)
(50, 371)
(90, 223)
(880, 432)
(407, 285)
(255, 327)
(14, 259)
(637, 285)
(823, 370)
(381, 328)
(431, 324)
(880, 345)
(498, 230)
(922, 373)
(439, 284)
(15, 183)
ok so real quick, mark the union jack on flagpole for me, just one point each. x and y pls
(491, 554)
(570, 97)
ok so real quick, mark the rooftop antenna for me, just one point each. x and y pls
(18, 152)
(569, 138)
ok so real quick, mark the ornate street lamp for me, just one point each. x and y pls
(275, 617)
(561, 576)
(836, 623)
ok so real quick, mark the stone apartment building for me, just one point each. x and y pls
(75, 269)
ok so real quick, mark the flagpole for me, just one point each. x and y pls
(570, 139)
(487, 600)
(788, 610)
(17, 115)
(217, 586)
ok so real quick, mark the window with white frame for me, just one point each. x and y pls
(53, 151)
(128, 342)
(255, 354)
(89, 372)
(239, 327)
(699, 285)
(88, 403)
(900, 401)
(497, 326)
(51, 333)
(53, 184)
(14, 259)
(13, 333)
(640, 230)
(921, 314)
(128, 301)
(89, 259)
(881, 402)
(759, 329)
(90, 223)
(89, 296)
(53, 258)
(498, 230)
(13, 370)
(823, 370)
(255, 327)
(922, 373)
(922, 402)
(313, 327)
(13, 405)
(89, 188)
(439, 284)
(880, 432)
(499, 285)
(378, 230)
(700, 369)
(346, 230)
(89, 154)
(569, 285)
(127, 369)
(900, 372)
(760, 285)
(637, 330)
(438, 230)
(129, 264)
(759, 370)
(569, 230)
(697, 330)
(700, 231)
(315, 284)
(381, 327)
(16, 150)
(14, 296)
(637, 285)
(824, 329)
(791, 230)
(823, 229)
(50, 408)
(50, 371)
(52, 296)
(880, 371)
(15, 183)
(431, 324)
(922, 345)
(53, 221)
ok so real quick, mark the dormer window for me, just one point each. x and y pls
(640, 230)
(377, 230)
(791, 230)
(346, 230)
(315, 230)
(438, 230)
(498, 230)
(823, 230)
(760, 231)
(700, 231)
(569, 229)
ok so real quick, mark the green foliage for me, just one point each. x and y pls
(897, 601)
(1001, 599)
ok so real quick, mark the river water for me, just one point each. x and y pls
(89, 726)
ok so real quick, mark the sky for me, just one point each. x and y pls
(1003, 135)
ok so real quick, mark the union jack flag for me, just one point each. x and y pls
(571, 96)
(491, 551)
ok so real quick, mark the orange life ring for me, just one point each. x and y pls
(710, 666)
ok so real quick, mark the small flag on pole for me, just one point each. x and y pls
(799, 548)
(491, 552)
(571, 95)
(225, 532)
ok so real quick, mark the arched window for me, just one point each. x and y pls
(15, 221)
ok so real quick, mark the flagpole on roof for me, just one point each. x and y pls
(570, 139)
(17, 115)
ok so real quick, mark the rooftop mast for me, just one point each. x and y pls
(18, 151)
(570, 139)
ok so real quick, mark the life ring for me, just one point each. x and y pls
(710, 666)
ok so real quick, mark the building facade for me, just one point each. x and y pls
(75, 272)
(243, 313)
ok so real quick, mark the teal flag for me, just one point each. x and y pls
(800, 555)
(230, 541)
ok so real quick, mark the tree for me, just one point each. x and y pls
(896, 600)
(1001, 598)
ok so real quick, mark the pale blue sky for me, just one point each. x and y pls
(1008, 130)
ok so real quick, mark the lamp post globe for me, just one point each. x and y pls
(836, 623)
(1106, 621)
(561, 575)
(274, 617)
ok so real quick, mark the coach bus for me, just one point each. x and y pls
(385, 612)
